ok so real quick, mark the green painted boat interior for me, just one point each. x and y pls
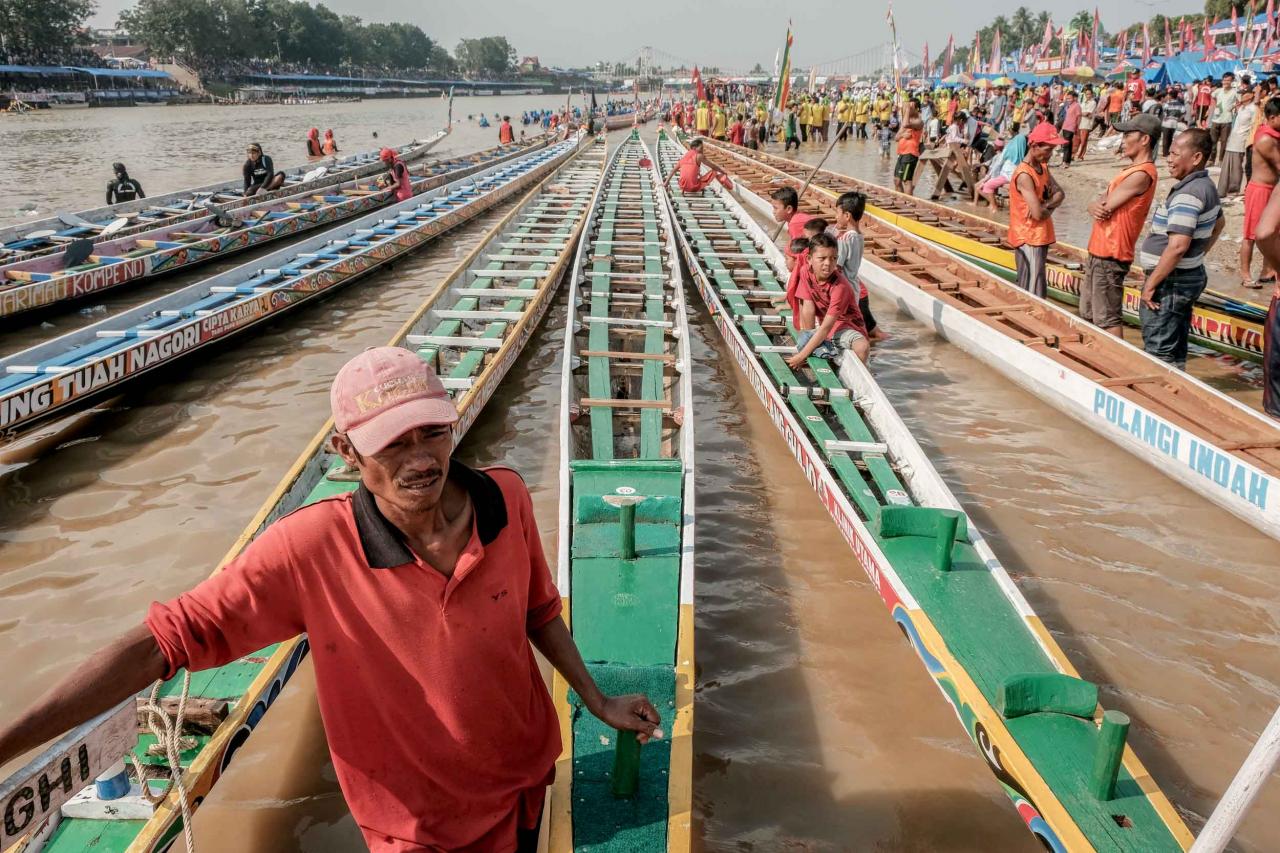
(565, 207)
(982, 629)
(624, 609)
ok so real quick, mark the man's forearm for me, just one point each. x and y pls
(557, 646)
(117, 672)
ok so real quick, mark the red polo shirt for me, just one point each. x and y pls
(441, 729)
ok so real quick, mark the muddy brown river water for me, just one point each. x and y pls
(817, 727)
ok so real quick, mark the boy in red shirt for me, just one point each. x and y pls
(830, 300)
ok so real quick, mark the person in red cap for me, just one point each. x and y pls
(421, 594)
(314, 149)
(1034, 196)
(397, 177)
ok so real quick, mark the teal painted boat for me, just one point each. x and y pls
(626, 521)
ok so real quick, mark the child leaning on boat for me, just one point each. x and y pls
(826, 295)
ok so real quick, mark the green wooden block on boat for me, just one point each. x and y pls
(626, 611)
(896, 521)
(1046, 692)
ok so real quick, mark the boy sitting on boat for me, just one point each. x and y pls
(828, 299)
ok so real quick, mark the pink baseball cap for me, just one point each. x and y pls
(383, 393)
(1045, 134)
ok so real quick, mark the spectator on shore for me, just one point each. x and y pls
(1186, 225)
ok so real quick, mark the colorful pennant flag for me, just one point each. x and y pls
(993, 67)
(784, 74)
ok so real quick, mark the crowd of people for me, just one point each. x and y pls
(999, 145)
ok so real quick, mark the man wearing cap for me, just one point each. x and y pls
(1118, 215)
(421, 593)
(1185, 227)
(397, 178)
(1033, 198)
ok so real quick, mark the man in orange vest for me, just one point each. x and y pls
(909, 136)
(1118, 215)
(1035, 195)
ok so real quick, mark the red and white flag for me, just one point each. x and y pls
(949, 57)
(1168, 40)
(975, 58)
(1235, 25)
(925, 63)
(1146, 45)
(1208, 39)
(993, 67)
(1271, 25)
(1048, 37)
(1121, 41)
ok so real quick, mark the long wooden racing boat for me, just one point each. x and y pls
(618, 121)
(1060, 758)
(1200, 437)
(65, 373)
(130, 217)
(1219, 321)
(473, 328)
(626, 521)
(68, 275)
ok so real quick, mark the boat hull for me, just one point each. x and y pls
(131, 268)
(93, 376)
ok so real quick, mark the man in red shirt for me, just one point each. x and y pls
(828, 299)
(690, 168)
(421, 593)
(1136, 89)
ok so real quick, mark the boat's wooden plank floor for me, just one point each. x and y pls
(626, 478)
(1071, 342)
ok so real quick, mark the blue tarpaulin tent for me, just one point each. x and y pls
(1180, 71)
(41, 70)
(120, 72)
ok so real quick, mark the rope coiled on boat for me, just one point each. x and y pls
(171, 743)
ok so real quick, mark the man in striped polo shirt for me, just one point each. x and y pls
(1186, 225)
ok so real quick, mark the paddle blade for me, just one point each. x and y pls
(315, 174)
(41, 234)
(114, 226)
(76, 253)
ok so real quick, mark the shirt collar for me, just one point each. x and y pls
(383, 543)
(1194, 176)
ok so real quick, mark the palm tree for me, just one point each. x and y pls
(1021, 26)
(1081, 22)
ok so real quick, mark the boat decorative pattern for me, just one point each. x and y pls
(31, 239)
(940, 581)
(1219, 322)
(53, 377)
(626, 516)
(1200, 437)
(48, 279)
(473, 329)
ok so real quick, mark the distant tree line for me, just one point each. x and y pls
(36, 31)
(209, 33)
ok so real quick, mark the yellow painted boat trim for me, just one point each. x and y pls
(559, 808)
(680, 788)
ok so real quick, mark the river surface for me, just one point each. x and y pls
(817, 727)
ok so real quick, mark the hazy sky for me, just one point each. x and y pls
(728, 33)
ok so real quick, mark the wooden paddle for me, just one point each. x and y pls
(221, 216)
(76, 252)
(800, 196)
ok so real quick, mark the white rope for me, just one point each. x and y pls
(171, 743)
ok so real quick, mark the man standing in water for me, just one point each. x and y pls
(1033, 197)
(1186, 225)
(421, 593)
(123, 187)
(1118, 215)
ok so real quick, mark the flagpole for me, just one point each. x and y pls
(800, 196)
